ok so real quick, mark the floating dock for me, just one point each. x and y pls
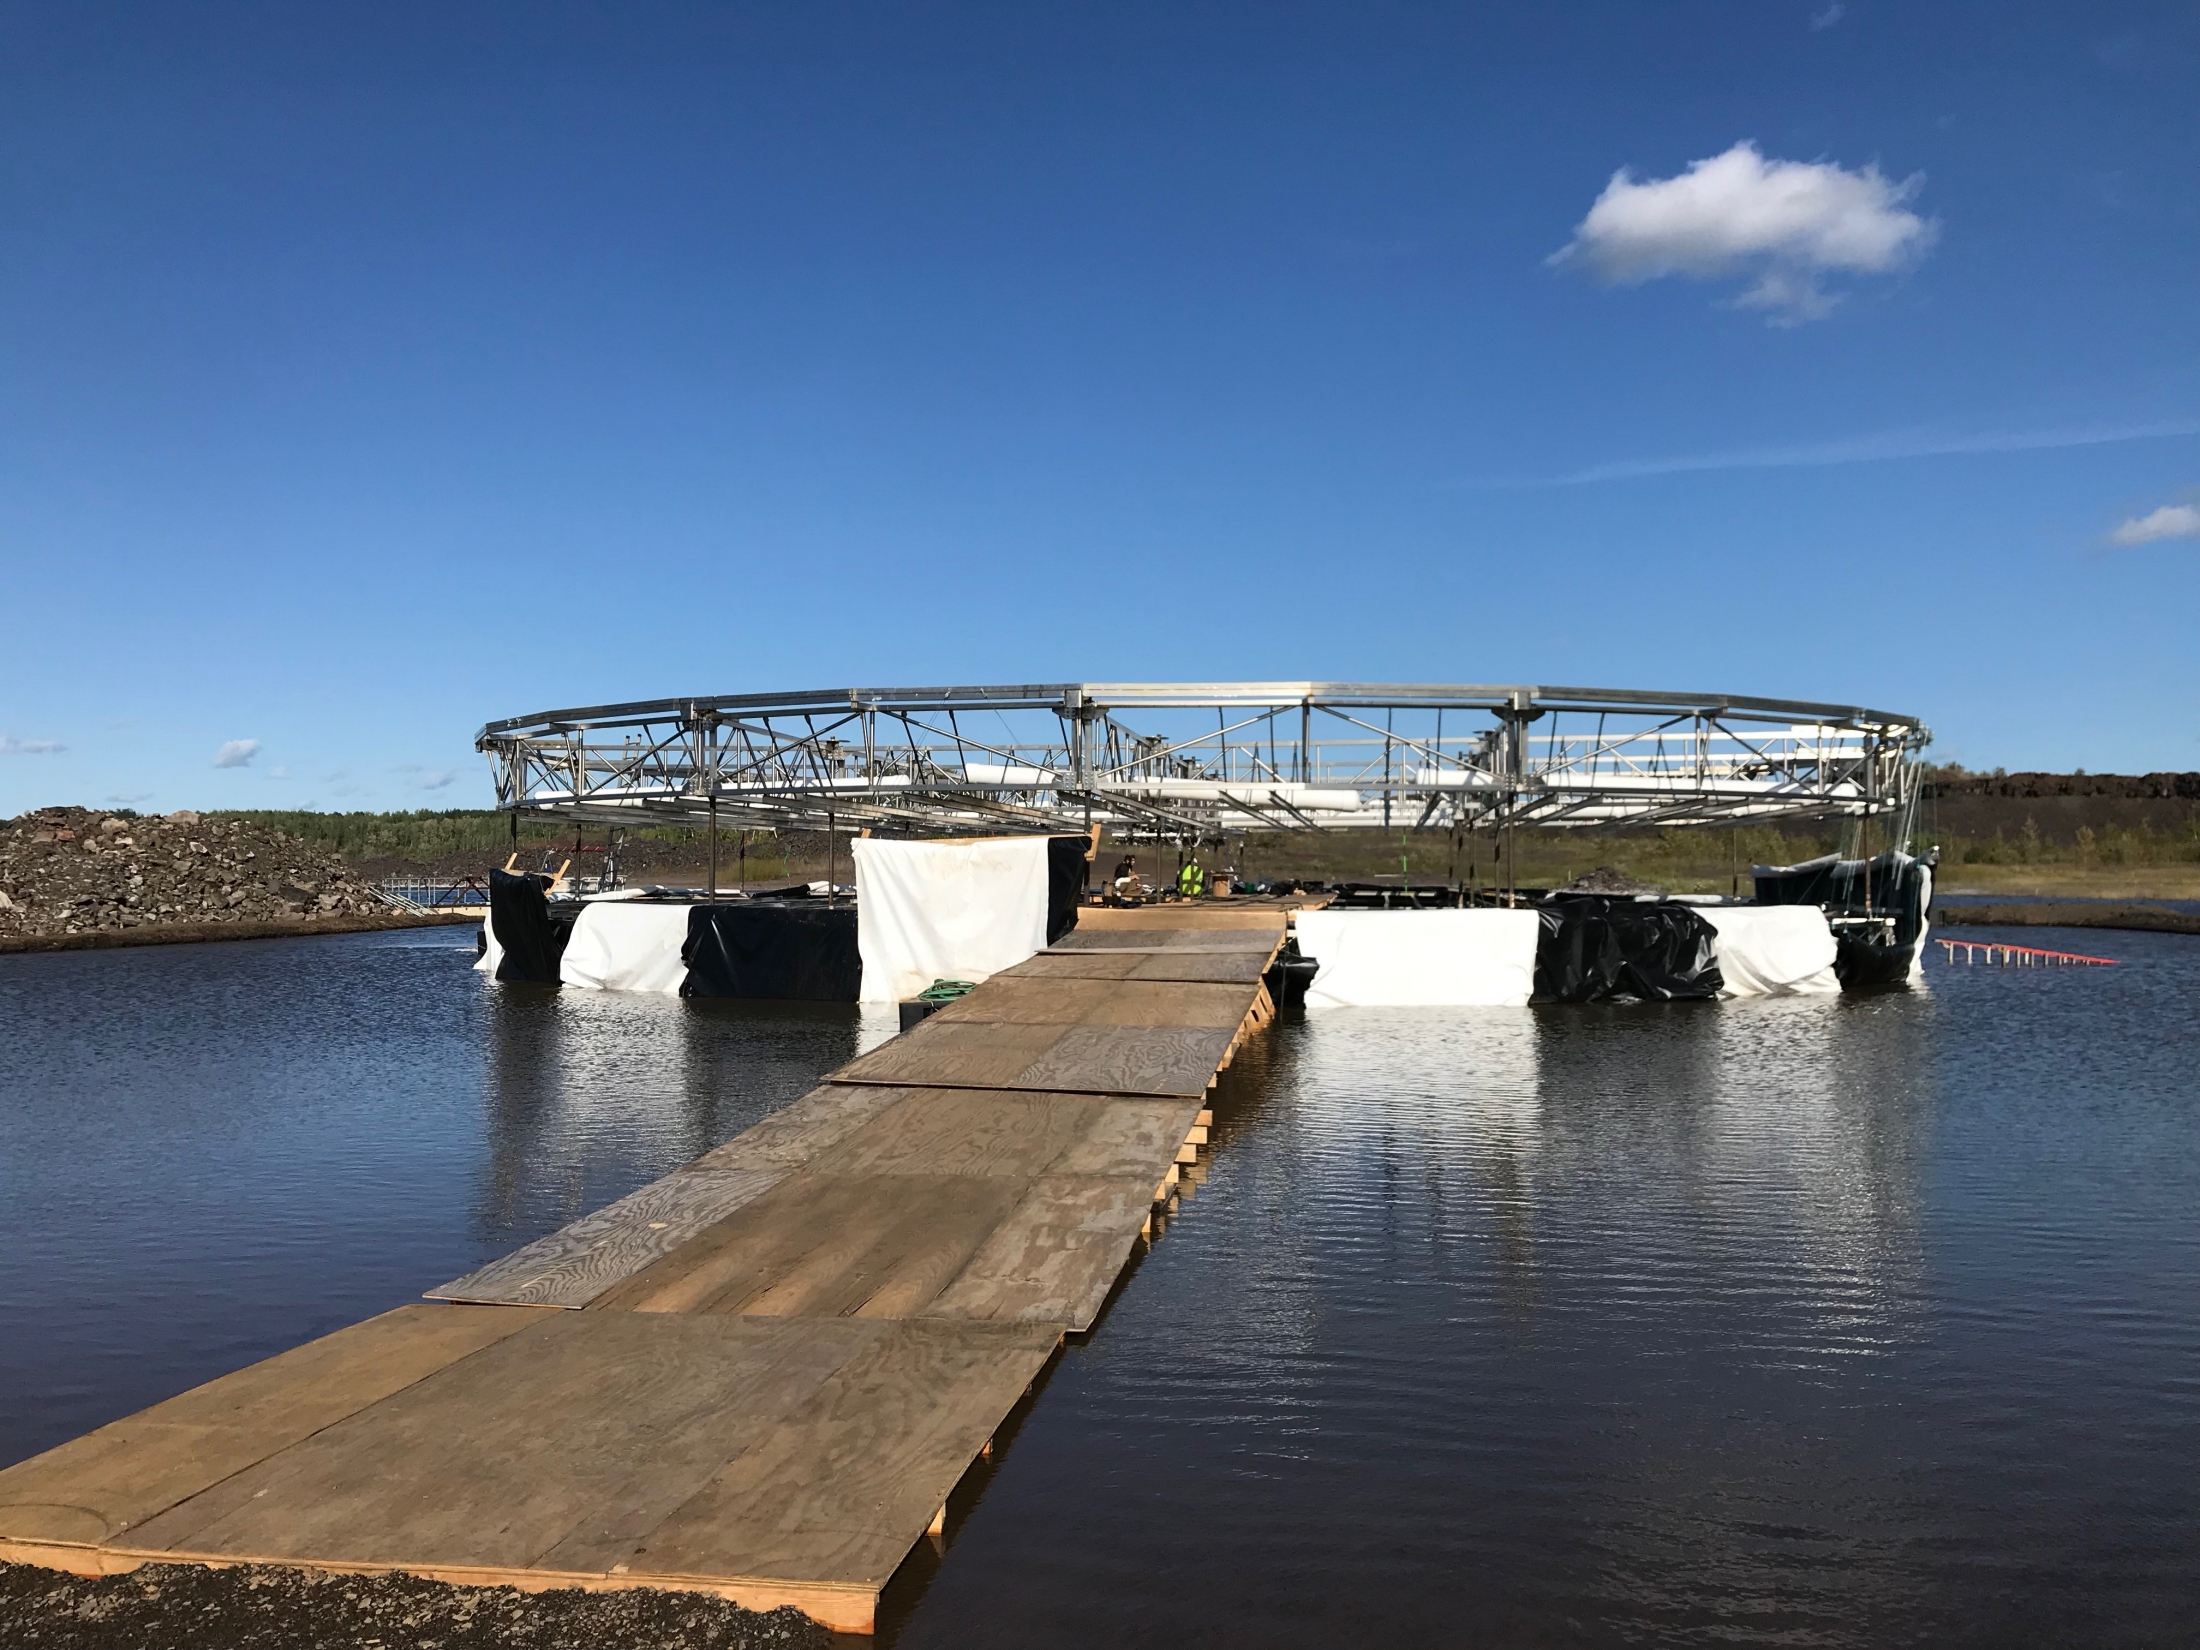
(760, 1377)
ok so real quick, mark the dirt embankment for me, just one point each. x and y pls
(2155, 919)
(70, 878)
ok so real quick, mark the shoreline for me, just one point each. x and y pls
(2153, 919)
(194, 933)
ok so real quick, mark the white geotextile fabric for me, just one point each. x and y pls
(492, 953)
(930, 911)
(621, 947)
(1772, 950)
(1413, 959)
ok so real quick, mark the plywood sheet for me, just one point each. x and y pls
(841, 1488)
(1177, 1060)
(797, 1133)
(1100, 1002)
(691, 1448)
(571, 1424)
(992, 1132)
(1056, 1255)
(822, 1245)
(1215, 967)
(1016, 1133)
(1169, 939)
(1085, 1059)
(967, 1056)
(1206, 917)
(573, 1265)
(110, 1482)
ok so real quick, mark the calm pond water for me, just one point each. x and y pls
(1857, 1321)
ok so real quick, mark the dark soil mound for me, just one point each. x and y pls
(186, 1607)
(1606, 880)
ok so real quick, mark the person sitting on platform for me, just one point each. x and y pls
(1126, 887)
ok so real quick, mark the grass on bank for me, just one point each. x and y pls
(2115, 860)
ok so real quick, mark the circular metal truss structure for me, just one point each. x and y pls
(1189, 762)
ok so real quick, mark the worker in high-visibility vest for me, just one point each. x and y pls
(1191, 882)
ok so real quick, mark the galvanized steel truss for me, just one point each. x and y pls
(1141, 759)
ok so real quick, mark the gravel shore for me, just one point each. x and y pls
(254, 1607)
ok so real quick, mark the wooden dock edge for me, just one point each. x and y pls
(839, 1609)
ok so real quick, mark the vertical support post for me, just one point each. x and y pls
(1386, 768)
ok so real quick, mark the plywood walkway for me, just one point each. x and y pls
(759, 1377)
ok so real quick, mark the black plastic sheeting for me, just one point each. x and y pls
(1889, 885)
(802, 951)
(1067, 871)
(520, 917)
(1602, 950)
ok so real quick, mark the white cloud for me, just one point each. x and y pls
(437, 780)
(1827, 18)
(1786, 223)
(236, 753)
(125, 798)
(1878, 448)
(278, 773)
(12, 746)
(2171, 521)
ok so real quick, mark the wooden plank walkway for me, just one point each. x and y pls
(759, 1377)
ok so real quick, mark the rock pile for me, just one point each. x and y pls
(72, 871)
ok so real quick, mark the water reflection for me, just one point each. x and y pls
(591, 1093)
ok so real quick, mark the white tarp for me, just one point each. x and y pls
(618, 946)
(1772, 950)
(492, 953)
(1924, 925)
(1401, 959)
(930, 911)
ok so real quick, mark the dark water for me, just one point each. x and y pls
(1851, 1321)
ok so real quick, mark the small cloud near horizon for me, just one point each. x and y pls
(437, 780)
(2171, 521)
(1782, 224)
(12, 746)
(278, 773)
(1827, 18)
(124, 799)
(236, 753)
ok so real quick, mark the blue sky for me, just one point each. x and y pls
(372, 372)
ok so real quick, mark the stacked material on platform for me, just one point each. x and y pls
(1401, 959)
(947, 910)
(1772, 950)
